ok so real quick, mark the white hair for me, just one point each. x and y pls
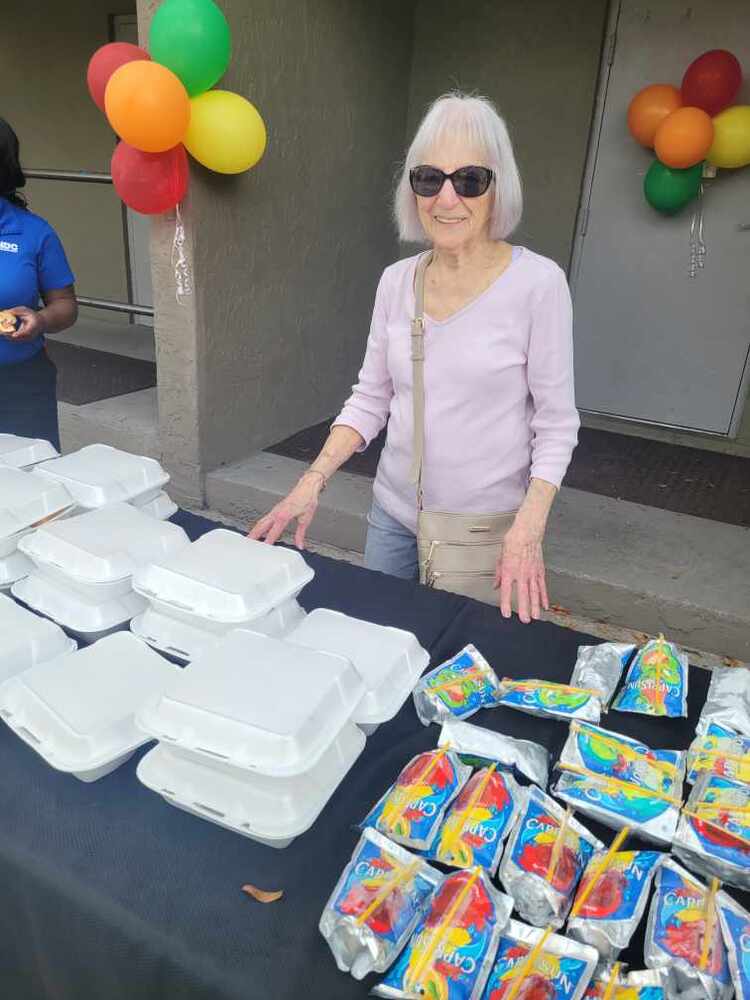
(475, 119)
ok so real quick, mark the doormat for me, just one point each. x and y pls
(668, 476)
(86, 376)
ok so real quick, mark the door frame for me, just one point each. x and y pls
(581, 225)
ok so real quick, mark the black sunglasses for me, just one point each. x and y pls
(468, 182)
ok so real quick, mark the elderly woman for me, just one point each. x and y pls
(487, 421)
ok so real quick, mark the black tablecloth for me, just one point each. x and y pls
(108, 892)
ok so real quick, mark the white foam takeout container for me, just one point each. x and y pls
(12, 568)
(78, 711)
(86, 620)
(25, 502)
(389, 660)
(23, 452)
(96, 553)
(98, 475)
(162, 507)
(272, 811)
(258, 703)
(186, 640)
(26, 639)
(224, 577)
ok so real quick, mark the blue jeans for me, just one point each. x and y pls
(391, 547)
(28, 399)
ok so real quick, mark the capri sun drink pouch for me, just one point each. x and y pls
(657, 681)
(612, 897)
(478, 821)
(534, 964)
(375, 906)
(684, 935)
(611, 984)
(552, 701)
(713, 835)
(728, 701)
(735, 926)
(546, 854)
(719, 752)
(412, 809)
(621, 782)
(600, 667)
(477, 746)
(457, 688)
(450, 954)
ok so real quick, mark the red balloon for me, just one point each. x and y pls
(104, 62)
(150, 183)
(711, 81)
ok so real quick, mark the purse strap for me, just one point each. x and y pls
(417, 361)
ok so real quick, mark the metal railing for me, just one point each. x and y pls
(91, 177)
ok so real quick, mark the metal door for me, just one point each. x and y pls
(653, 344)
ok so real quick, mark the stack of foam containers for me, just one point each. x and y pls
(77, 710)
(83, 567)
(25, 503)
(221, 582)
(99, 475)
(24, 452)
(255, 735)
(27, 639)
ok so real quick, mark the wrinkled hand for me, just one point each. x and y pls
(299, 505)
(521, 564)
(31, 324)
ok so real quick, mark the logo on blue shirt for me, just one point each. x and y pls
(8, 247)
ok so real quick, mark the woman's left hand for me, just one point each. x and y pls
(31, 324)
(521, 564)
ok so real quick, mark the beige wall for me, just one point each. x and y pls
(539, 62)
(46, 49)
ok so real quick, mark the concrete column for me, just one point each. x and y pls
(286, 257)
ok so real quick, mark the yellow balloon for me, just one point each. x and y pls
(226, 133)
(731, 145)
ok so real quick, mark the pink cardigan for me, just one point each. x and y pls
(499, 400)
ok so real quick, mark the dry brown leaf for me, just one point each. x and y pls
(262, 895)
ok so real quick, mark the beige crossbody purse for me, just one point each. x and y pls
(457, 552)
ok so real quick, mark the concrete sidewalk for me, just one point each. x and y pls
(608, 561)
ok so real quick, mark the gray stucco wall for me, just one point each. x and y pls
(538, 60)
(287, 256)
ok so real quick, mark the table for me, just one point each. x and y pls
(108, 892)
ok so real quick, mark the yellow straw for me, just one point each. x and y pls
(618, 783)
(476, 795)
(405, 873)
(710, 918)
(528, 965)
(439, 932)
(612, 984)
(423, 776)
(660, 765)
(723, 807)
(473, 672)
(534, 685)
(600, 869)
(558, 844)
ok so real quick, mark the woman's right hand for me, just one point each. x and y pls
(299, 505)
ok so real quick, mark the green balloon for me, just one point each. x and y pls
(669, 190)
(192, 38)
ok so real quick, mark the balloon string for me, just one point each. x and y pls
(182, 273)
(697, 240)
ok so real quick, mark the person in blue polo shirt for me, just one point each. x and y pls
(33, 267)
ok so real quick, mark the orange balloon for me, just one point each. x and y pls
(684, 139)
(649, 108)
(147, 106)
